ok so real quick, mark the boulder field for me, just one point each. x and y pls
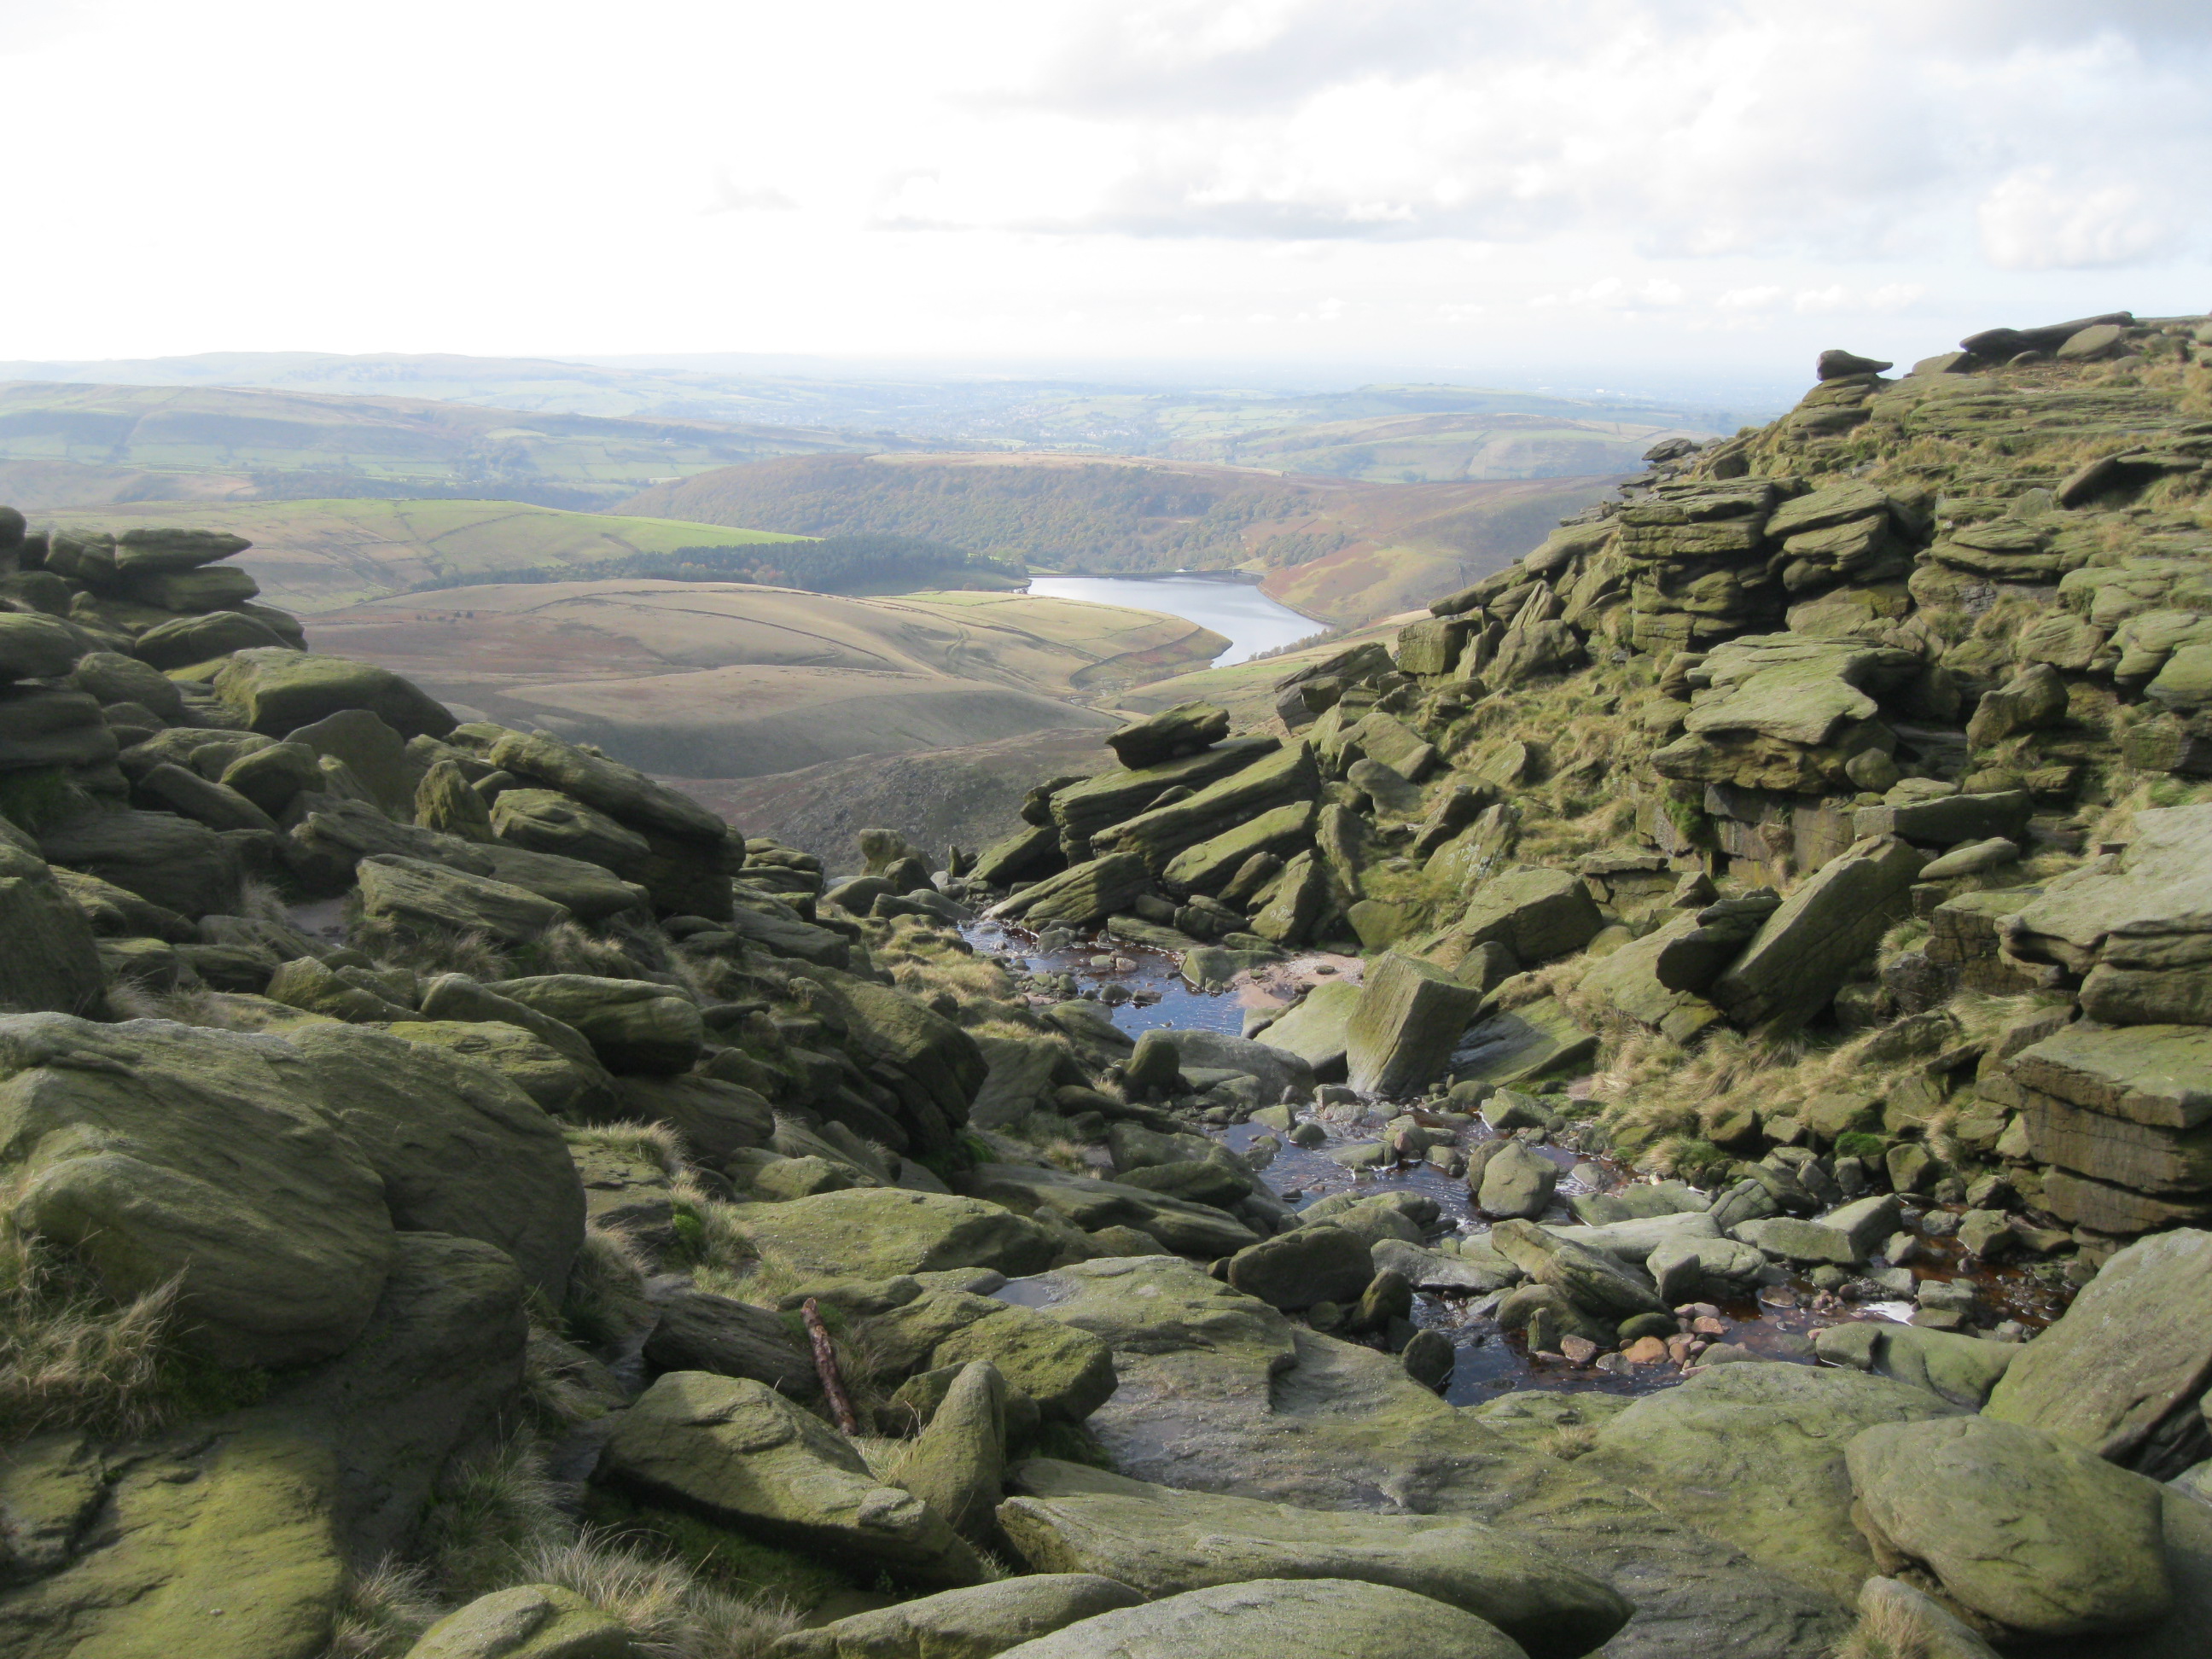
(463, 1200)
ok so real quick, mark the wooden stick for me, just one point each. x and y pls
(825, 1367)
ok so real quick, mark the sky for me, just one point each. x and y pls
(1632, 194)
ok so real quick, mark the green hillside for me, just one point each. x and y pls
(78, 445)
(320, 555)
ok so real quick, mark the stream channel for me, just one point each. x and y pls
(1777, 1326)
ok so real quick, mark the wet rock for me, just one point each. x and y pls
(1590, 1278)
(2042, 1537)
(738, 1452)
(1516, 1183)
(1310, 1264)
(1164, 1542)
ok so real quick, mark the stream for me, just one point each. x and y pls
(1151, 994)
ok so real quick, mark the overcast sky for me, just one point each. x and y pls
(1605, 191)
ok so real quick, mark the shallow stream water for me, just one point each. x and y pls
(1777, 1325)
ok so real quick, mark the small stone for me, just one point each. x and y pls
(1645, 1351)
(1579, 1350)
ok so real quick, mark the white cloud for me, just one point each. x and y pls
(2037, 220)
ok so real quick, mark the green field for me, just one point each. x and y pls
(320, 555)
(83, 445)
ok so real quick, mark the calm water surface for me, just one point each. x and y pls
(1253, 621)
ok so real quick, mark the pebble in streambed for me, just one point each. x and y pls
(1415, 1159)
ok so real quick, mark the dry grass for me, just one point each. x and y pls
(429, 950)
(1656, 1095)
(193, 1006)
(1572, 1442)
(498, 1522)
(382, 1611)
(657, 1143)
(1885, 1631)
(70, 1357)
(671, 1613)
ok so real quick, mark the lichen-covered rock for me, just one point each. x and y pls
(738, 1452)
(278, 691)
(161, 1152)
(881, 1232)
(218, 1546)
(415, 892)
(1264, 1618)
(1753, 1455)
(963, 1624)
(166, 860)
(2121, 1373)
(632, 1024)
(1806, 950)
(51, 963)
(529, 1621)
(1071, 1518)
(2043, 1539)
(1409, 1016)
(460, 1149)
(1308, 1264)
(700, 1331)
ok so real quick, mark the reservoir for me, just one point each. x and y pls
(1253, 621)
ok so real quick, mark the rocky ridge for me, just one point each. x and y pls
(464, 1198)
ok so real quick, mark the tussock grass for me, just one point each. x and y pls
(498, 1521)
(70, 1357)
(382, 1611)
(194, 1006)
(429, 950)
(1885, 1631)
(1658, 1095)
(655, 1143)
(669, 1610)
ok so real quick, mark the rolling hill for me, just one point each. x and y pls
(1338, 549)
(721, 680)
(321, 554)
(66, 444)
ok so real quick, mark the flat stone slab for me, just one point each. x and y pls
(1069, 1517)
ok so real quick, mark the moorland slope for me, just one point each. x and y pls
(64, 444)
(1338, 549)
(726, 680)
